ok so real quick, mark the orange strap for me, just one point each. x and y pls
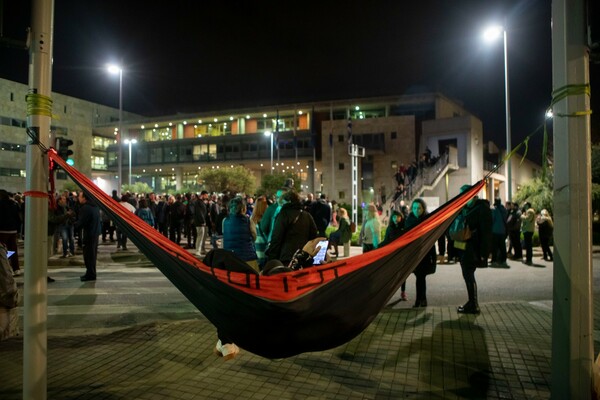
(33, 193)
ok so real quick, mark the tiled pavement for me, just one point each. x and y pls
(431, 353)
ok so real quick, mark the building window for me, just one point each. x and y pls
(155, 155)
(341, 166)
(394, 135)
(12, 96)
(19, 148)
(341, 195)
(340, 138)
(98, 162)
(102, 143)
(16, 173)
(65, 109)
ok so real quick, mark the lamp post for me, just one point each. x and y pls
(130, 142)
(115, 69)
(491, 34)
(269, 133)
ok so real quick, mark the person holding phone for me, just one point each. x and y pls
(314, 253)
(293, 227)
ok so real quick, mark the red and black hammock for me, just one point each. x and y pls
(283, 315)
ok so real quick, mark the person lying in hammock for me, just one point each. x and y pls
(302, 258)
(220, 258)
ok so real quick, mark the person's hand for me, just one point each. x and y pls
(311, 247)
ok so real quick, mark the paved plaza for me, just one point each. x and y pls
(132, 335)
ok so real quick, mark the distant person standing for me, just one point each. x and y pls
(90, 224)
(321, 213)
(370, 232)
(121, 236)
(528, 227)
(545, 230)
(145, 213)
(427, 266)
(499, 217)
(260, 243)
(239, 233)
(513, 225)
(200, 222)
(475, 250)
(394, 230)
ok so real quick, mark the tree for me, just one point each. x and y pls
(71, 187)
(138, 187)
(235, 180)
(270, 183)
(539, 192)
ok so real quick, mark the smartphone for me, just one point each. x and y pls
(9, 253)
(320, 256)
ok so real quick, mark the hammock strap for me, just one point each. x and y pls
(567, 91)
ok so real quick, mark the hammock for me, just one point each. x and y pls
(283, 315)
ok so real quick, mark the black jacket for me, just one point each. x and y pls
(321, 213)
(89, 221)
(427, 266)
(479, 219)
(292, 229)
(200, 213)
(10, 219)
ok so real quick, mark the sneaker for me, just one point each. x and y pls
(64, 256)
(227, 350)
(70, 255)
(403, 296)
(18, 272)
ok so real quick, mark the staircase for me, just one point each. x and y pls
(427, 179)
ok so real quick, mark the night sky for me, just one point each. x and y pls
(189, 56)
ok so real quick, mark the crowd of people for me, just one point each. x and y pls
(273, 235)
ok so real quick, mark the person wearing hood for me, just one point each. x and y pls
(293, 227)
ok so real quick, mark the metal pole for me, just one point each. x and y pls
(354, 157)
(35, 307)
(332, 190)
(271, 153)
(120, 135)
(572, 309)
(130, 143)
(508, 132)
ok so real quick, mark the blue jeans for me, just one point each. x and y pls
(68, 238)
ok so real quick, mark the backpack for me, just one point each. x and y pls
(459, 230)
(352, 227)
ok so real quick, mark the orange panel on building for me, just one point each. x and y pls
(234, 128)
(188, 131)
(251, 126)
(303, 122)
(174, 133)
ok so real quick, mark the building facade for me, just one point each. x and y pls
(309, 139)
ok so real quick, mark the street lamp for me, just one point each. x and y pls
(490, 34)
(130, 142)
(269, 133)
(116, 69)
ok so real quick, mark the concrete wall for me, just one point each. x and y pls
(399, 150)
(75, 115)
